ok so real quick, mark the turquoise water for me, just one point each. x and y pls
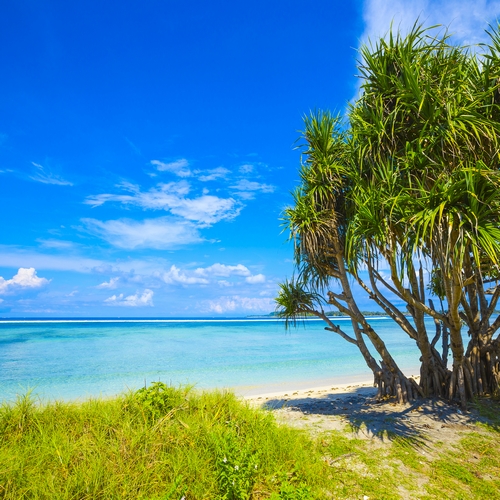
(78, 359)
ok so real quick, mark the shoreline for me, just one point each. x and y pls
(250, 357)
(288, 390)
(347, 385)
(363, 388)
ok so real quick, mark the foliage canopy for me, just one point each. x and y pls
(409, 183)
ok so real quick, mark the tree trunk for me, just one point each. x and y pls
(389, 379)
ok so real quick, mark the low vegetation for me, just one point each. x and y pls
(165, 443)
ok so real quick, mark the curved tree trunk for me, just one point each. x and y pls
(389, 379)
(433, 373)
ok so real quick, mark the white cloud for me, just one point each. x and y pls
(246, 185)
(246, 169)
(179, 167)
(157, 198)
(129, 270)
(160, 233)
(25, 278)
(109, 285)
(223, 270)
(238, 303)
(212, 175)
(207, 209)
(466, 20)
(17, 257)
(222, 305)
(258, 278)
(176, 276)
(204, 275)
(248, 189)
(145, 299)
(45, 176)
(171, 197)
(56, 244)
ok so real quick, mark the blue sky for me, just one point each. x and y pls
(147, 150)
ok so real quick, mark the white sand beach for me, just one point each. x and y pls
(352, 407)
(304, 391)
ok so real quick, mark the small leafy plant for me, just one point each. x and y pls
(159, 398)
(237, 463)
(291, 492)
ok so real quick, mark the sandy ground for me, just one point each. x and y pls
(353, 408)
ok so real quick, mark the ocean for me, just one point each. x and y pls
(78, 359)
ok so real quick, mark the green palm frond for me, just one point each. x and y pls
(295, 301)
(413, 172)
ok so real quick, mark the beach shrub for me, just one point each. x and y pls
(290, 492)
(159, 399)
(237, 462)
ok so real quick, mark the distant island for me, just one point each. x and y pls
(337, 314)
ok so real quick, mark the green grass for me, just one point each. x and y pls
(158, 443)
(163, 443)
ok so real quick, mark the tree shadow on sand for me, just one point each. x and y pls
(420, 422)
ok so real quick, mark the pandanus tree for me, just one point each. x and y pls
(410, 182)
(320, 222)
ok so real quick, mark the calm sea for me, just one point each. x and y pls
(67, 359)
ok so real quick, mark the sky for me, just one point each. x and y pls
(148, 149)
